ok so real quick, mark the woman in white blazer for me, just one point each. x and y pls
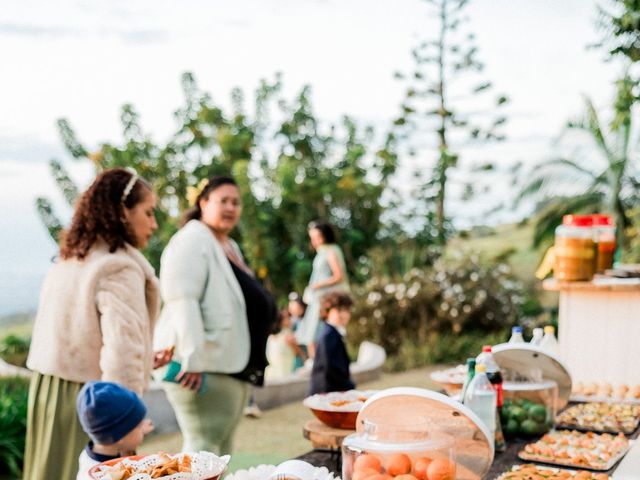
(217, 315)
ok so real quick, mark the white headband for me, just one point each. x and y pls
(130, 184)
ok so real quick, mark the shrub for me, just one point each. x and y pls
(437, 312)
(13, 423)
(442, 348)
(14, 350)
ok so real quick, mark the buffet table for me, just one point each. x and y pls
(501, 463)
(598, 324)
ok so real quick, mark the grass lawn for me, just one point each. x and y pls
(277, 435)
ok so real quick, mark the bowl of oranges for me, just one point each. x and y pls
(407, 433)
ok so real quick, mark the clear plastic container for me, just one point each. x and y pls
(549, 341)
(516, 335)
(574, 249)
(529, 407)
(605, 234)
(538, 334)
(481, 398)
(409, 448)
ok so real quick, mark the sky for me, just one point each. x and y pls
(82, 60)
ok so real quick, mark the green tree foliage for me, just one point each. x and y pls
(445, 97)
(291, 169)
(620, 23)
(583, 183)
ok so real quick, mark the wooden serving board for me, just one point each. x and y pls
(323, 436)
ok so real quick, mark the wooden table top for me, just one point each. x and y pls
(600, 283)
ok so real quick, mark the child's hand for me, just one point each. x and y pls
(161, 358)
(147, 426)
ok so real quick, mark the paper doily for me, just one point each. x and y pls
(262, 472)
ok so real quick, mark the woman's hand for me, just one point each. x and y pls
(162, 357)
(190, 380)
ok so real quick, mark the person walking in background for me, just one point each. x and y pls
(281, 349)
(330, 371)
(96, 314)
(217, 315)
(296, 309)
(329, 273)
(113, 418)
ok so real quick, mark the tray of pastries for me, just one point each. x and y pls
(605, 392)
(570, 448)
(600, 417)
(530, 471)
(183, 466)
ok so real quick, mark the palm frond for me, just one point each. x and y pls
(552, 214)
(566, 162)
(531, 188)
(595, 128)
(543, 181)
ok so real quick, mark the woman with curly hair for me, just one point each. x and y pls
(95, 320)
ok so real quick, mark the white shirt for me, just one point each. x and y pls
(89, 459)
(85, 463)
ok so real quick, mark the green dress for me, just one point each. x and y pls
(307, 331)
(55, 437)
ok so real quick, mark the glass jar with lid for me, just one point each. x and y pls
(398, 449)
(415, 434)
(537, 386)
(605, 234)
(529, 407)
(574, 249)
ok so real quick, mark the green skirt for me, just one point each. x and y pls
(55, 437)
(208, 420)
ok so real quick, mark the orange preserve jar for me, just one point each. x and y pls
(605, 231)
(575, 249)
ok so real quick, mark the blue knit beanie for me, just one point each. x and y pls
(108, 411)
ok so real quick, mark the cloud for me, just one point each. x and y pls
(129, 36)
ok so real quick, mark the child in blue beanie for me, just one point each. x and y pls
(113, 417)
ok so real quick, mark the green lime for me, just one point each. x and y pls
(537, 413)
(519, 414)
(529, 427)
(511, 427)
(505, 414)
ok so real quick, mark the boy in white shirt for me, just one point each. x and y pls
(113, 417)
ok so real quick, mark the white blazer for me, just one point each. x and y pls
(204, 313)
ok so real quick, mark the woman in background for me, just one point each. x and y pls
(329, 273)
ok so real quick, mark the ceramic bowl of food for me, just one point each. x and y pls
(338, 409)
